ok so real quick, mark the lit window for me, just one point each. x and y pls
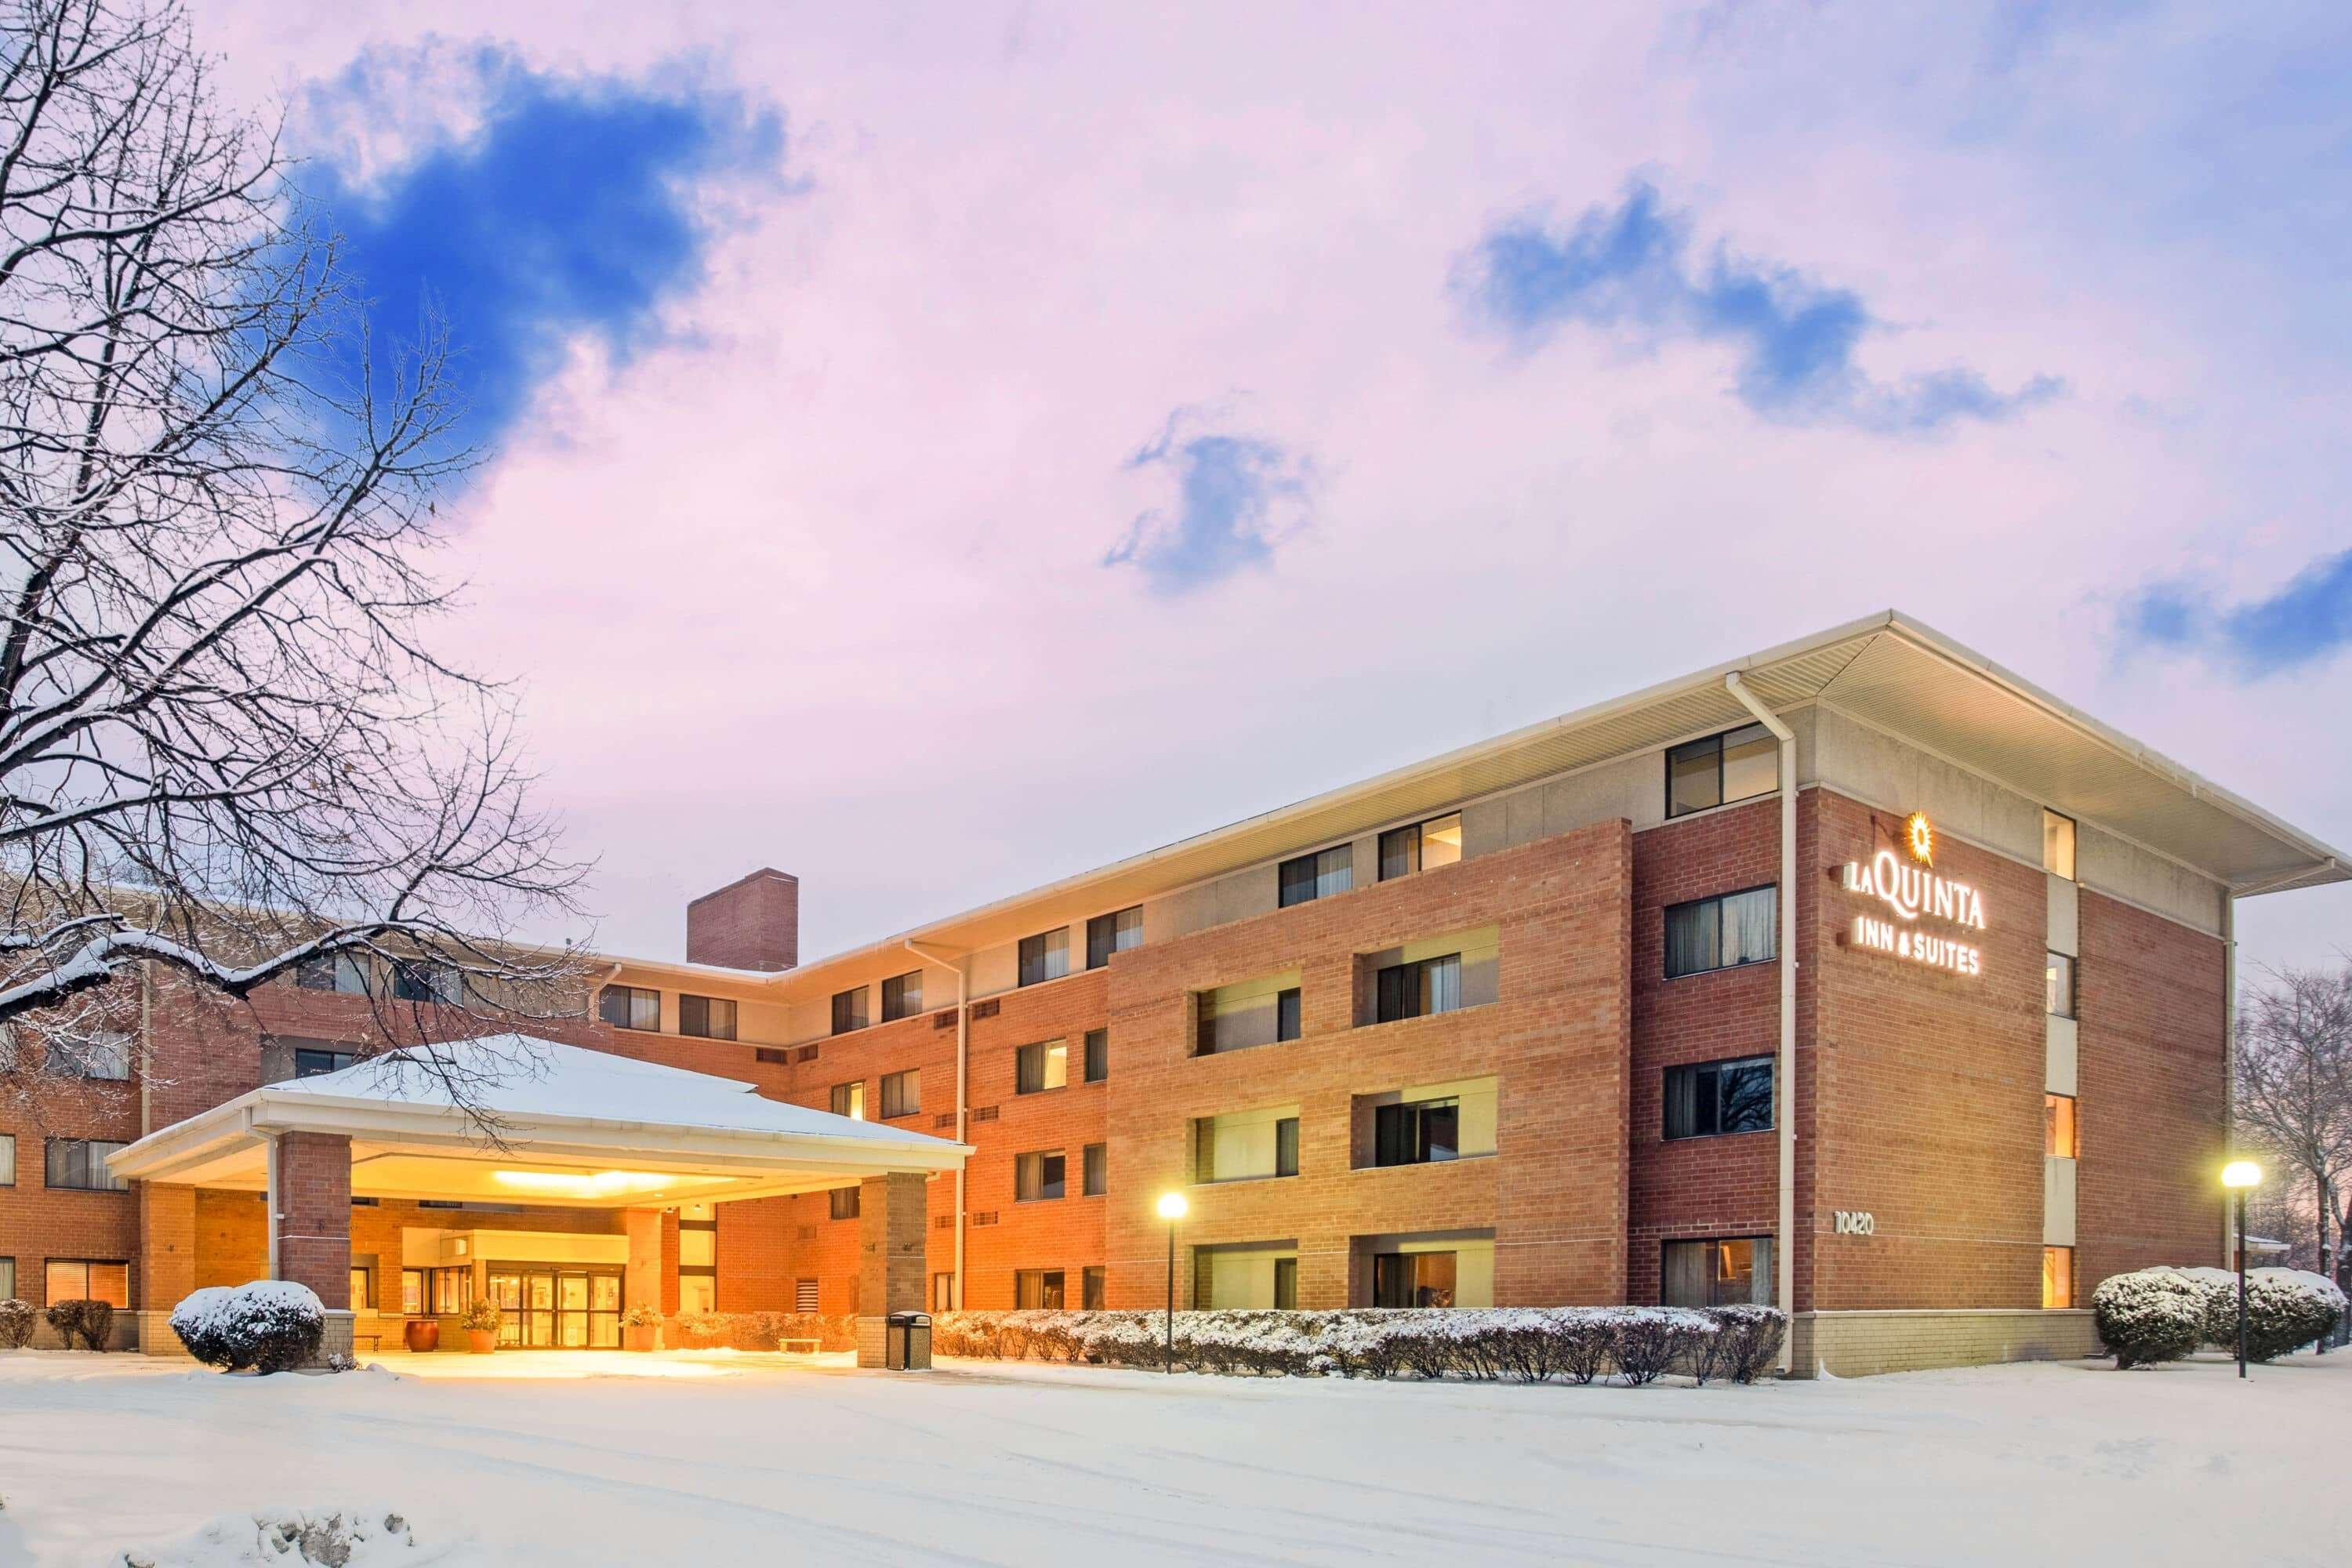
(2059, 1130)
(1423, 847)
(707, 1017)
(84, 1279)
(2057, 1277)
(1711, 1098)
(902, 1093)
(1045, 956)
(1038, 1290)
(1039, 1176)
(1114, 933)
(1040, 1067)
(1719, 1273)
(630, 1007)
(1317, 876)
(1248, 1013)
(849, 1100)
(1411, 1279)
(362, 1290)
(850, 1010)
(1737, 765)
(1245, 1145)
(411, 1292)
(902, 997)
(2058, 986)
(1721, 933)
(2058, 845)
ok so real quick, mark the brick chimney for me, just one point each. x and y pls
(755, 924)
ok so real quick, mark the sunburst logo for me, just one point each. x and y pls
(1919, 837)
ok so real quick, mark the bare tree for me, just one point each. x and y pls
(226, 748)
(2294, 1084)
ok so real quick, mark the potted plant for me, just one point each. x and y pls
(640, 1327)
(482, 1321)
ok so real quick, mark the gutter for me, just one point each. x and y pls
(961, 956)
(1784, 1253)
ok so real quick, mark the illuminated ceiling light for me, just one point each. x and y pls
(588, 1183)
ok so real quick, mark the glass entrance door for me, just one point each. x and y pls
(557, 1307)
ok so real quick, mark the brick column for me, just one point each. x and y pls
(167, 1263)
(890, 1216)
(310, 1185)
(641, 1284)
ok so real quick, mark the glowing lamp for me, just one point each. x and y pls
(1172, 1206)
(2241, 1173)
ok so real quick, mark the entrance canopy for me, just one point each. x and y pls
(566, 1126)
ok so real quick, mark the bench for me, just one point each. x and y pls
(798, 1347)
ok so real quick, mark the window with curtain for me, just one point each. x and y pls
(1317, 876)
(340, 972)
(1246, 1013)
(850, 1010)
(902, 1093)
(1412, 1278)
(1039, 1176)
(8, 1278)
(1705, 1098)
(1721, 932)
(1045, 956)
(1097, 1177)
(1038, 1290)
(1721, 1272)
(1736, 766)
(843, 1202)
(1093, 1284)
(87, 1279)
(7, 1164)
(1041, 1066)
(1417, 1133)
(2058, 984)
(104, 1055)
(902, 997)
(1098, 1055)
(1418, 989)
(705, 1018)
(630, 1007)
(1113, 932)
(1423, 847)
(80, 1164)
(849, 1100)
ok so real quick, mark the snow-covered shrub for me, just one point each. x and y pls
(1745, 1341)
(760, 1330)
(2149, 1316)
(335, 1537)
(1651, 1340)
(1587, 1342)
(16, 1320)
(270, 1325)
(89, 1323)
(2286, 1308)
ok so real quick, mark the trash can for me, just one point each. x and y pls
(907, 1342)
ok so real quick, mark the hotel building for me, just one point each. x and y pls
(1858, 976)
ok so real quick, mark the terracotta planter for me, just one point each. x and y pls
(422, 1334)
(481, 1341)
(645, 1338)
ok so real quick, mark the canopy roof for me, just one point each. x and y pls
(558, 1124)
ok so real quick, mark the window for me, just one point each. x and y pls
(804, 1295)
(1419, 1133)
(1423, 847)
(87, 1279)
(453, 1289)
(1721, 933)
(2060, 1134)
(1039, 1176)
(1093, 1284)
(850, 1010)
(104, 1055)
(1285, 1015)
(2058, 986)
(1098, 1055)
(1418, 989)
(1721, 1273)
(2057, 1277)
(1317, 876)
(902, 1093)
(1249, 1013)
(1285, 1284)
(902, 997)
(1247, 1145)
(1096, 1181)
(1114, 933)
(1041, 1067)
(849, 1100)
(1736, 766)
(311, 1061)
(844, 1202)
(698, 1258)
(7, 1164)
(1711, 1098)
(1411, 1279)
(411, 1292)
(362, 1289)
(341, 972)
(81, 1164)
(2058, 845)
(1038, 1290)
(942, 1292)
(630, 1007)
(1045, 956)
(418, 980)
(707, 1017)
(8, 1278)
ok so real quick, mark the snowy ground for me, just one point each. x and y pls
(602, 1459)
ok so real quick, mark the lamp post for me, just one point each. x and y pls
(1171, 1209)
(2241, 1176)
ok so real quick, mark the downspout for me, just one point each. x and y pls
(1783, 1249)
(964, 1085)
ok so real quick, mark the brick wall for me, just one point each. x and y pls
(314, 1226)
(753, 923)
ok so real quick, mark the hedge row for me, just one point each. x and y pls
(2162, 1314)
(1637, 1344)
(758, 1331)
(90, 1324)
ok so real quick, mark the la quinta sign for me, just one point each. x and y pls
(1912, 891)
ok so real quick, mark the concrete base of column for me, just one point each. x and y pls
(337, 1339)
(156, 1338)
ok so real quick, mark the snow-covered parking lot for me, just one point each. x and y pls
(727, 1458)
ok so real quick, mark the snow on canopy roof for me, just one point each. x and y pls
(524, 1076)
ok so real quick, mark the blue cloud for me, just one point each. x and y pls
(1631, 269)
(2309, 618)
(570, 208)
(1237, 497)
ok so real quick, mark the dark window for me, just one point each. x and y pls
(1413, 1279)
(1045, 956)
(1038, 1290)
(1317, 876)
(104, 1055)
(1091, 1283)
(1721, 933)
(850, 1010)
(902, 1093)
(1418, 989)
(2058, 986)
(1723, 1272)
(1736, 766)
(1040, 1067)
(902, 997)
(710, 1017)
(1285, 1284)
(309, 1062)
(1114, 933)
(849, 1100)
(417, 980)
(1286, 1146)
(1423, 847)
(87, 1279)
(630, 1007)
(1418, 1133)
(1098, 1055)
(845, 1203)
(341, 972)
(1039, 1176)
(1708, 1098)
(79, 1164)
(1097, 1170)
(1285, 1015)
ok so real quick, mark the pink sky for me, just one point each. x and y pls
(819, 581)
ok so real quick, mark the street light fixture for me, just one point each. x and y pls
(2241, 1176)
(1171, 1209)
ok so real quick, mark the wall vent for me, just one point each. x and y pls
(984, 1113)
(943, 1020)
(771, 1054)
(985, 1009)
(805, 1054)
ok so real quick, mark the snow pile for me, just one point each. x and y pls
(271, 1325)
(1523, 1343)
(285, 1537)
